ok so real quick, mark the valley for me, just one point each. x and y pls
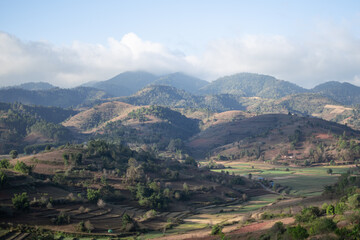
(175, 157)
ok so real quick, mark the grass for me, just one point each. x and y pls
(304, 181)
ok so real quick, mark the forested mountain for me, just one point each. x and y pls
(57, 97)
(173, 97)
(22, 125)
(34, 86)
(125, 84)
(181, 81)
(164, 96)
(252, 85)
(344, 93)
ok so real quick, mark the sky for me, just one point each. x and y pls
(68, 43)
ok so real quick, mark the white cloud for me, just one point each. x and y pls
(329, 54)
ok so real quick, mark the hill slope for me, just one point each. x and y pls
(34, 86)
(181, 81)
(57, 97)
(251, 85)
(125, 84)
(344, 93)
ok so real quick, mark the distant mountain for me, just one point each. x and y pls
(181, 81)
(344, 93)
(34, 86)
(53, 97)
(173, 97)
(125, 84)
(252, 85)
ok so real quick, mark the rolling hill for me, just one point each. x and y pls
(125, 84)
(345, 93)
(57, 97)
(252, 85)
(34, 86)
(270, 137)
(181, 81)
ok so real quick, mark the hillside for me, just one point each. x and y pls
(22, 126)
(176, 98)
(121, 122)
(272, 137)
(181, 81)
(344, 93)
(100, 183)
(252, 85)
(125, 84)
(34, 86)
(89, 120)
(57, 97)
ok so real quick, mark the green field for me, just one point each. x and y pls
(304, 181)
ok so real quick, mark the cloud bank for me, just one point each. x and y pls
(327, 55)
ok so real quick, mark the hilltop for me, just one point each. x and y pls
(252, 85)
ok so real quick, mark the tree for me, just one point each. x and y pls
(3, 178)
(22, 167)
(4, 163)
(329, 171)
(14, 154)
(250, 175)
(93, 195)
(21, 201)
(298, 232)
(135, 171)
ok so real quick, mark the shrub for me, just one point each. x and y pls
(216, 230)
(22, 167)
(308, 214)
(330, 210)
(340, 207)
(354, 201)
(13, 154)
(298, 232)
(3, 178)
(21, 201)
(62, 218)
(278, 228)
(4, 163)
(322, 225)
(93, 195)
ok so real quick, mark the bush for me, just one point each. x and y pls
(330, 210)
(298, 232)
(308, 214)
(22, 167)
(354, 201)
(4, 163)
(3, 178)
(278, 228)
(340, 207)
(13, 154)
(93, 195)
(322, 225)
(216, 229)
(62, 218)
(21, 201)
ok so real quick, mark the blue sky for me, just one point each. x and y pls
(298, 41)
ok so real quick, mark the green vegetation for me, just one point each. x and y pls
(22, 167)
(21, 201)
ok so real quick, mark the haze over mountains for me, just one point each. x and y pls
(191, 89)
